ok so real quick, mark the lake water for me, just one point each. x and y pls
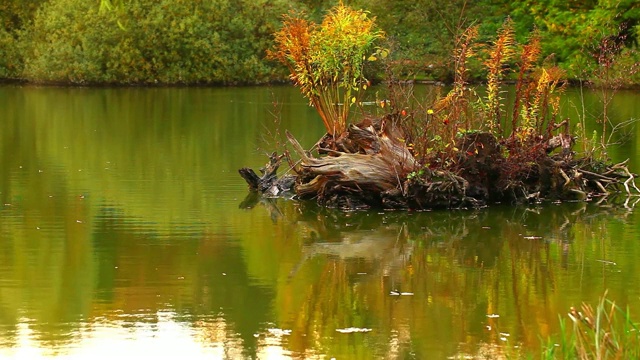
(126, 232)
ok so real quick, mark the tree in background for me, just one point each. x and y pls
(89, 41)
(15, 16)
(422, 33)
(574, 30)
(152, 42)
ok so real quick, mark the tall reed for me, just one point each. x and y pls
(606, 332)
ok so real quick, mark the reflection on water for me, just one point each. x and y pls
(443, 283)
(160, 335)
(125, 230)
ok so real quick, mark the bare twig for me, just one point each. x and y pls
(566, 178)
(599, 184)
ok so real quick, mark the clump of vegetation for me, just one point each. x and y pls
(463, 149)
(606, 332)
(326, 61)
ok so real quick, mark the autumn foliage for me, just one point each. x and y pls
(326, 61)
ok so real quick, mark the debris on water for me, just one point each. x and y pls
(353, 330)
(486, 227)
(607, 262)
(279, 332)
(398, 293)
(533, 237)
(493, 316)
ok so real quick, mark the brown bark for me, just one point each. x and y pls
(370, 165)
(268, 183)
(377, 162)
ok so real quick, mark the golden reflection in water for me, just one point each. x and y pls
(134, 208)
(167, 338)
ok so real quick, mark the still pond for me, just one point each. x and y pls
(126, 232)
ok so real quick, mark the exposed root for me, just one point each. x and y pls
(370, 166)
(566, 178)
(268, 183)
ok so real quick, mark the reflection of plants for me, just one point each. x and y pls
(507, 261)
(326, 61)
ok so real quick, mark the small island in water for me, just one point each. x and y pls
(462, 149)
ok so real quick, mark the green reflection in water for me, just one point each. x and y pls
(121, 219)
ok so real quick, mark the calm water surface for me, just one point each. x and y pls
(125, 231)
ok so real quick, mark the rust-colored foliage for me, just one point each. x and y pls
(293, 46)
(326, 61)
(448, 114)
(528, 58)
(502, 51)
(436, 128)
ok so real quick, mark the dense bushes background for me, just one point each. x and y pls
(224, 41)
(149, 42)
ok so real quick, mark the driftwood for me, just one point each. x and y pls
(268, 184)
(377, 162)
(371, 166)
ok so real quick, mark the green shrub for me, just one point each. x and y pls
(6, 55)
(15, 15)
(150, 41)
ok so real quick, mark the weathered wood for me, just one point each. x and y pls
(378, 163)
(370, 165)
(268, 183)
